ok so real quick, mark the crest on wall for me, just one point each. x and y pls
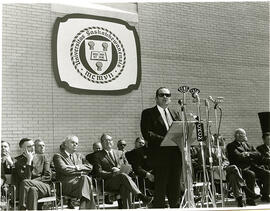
(96, 54)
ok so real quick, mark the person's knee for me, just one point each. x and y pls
(32, 190)
(25, 183)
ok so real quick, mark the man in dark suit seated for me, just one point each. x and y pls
(264, 149)
(32, 174)
(130, 155)
(246, 158)
(142, 167)
(112, 166)
(72, 170)
(96, 147)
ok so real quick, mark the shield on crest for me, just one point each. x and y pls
(98, 54)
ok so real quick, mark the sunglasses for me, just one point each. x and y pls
(164, 94)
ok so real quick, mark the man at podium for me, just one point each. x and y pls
(166, 160)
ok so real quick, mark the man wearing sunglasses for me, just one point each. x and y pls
(166, 161)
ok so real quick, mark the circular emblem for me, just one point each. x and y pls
(98, 55)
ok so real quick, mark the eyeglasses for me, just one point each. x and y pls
(164, 94)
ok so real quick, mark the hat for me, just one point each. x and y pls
(265, 122)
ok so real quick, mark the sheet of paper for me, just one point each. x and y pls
(125, 169)
(174, 136)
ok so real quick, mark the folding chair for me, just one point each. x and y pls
(61, 196)
(52, 198)
(9, 194)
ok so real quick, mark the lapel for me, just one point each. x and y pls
(106, 156)
(240, 147)
(67, 158)
(159, 117)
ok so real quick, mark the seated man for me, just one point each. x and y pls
(6, 160)
(230, 173)
(264, 150)
(39, 146)
(142, 167)
(32, 174)
(121, 144)
(130, 155)
(110, 165)
(72, 170)
(246, 158)
(96, 147)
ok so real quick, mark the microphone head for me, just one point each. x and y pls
(211, 99)
(183, 89)
(194, 92)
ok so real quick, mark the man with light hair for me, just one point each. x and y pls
(245, 157)
(112, 166)
(39, 146)
(72, 170)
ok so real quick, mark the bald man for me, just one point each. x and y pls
(72, 170)
(246, 158)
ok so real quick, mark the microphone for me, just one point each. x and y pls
(216, 101)
(195, 94)
(207, 103)
(180, 102)
(183, 89)
(194, 116)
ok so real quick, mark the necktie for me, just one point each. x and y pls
(167, 119)
(111, 155)
(71, 158)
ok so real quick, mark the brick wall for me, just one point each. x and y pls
(220, 48)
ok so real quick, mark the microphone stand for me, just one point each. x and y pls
(186, 159)
(205, 182)
(219, 155)
(213, 193)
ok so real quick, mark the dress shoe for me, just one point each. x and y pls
(145, 199)
(251, 202)
(70, 204)
(108, 200)
(240, 202)
(265, 199)
(251, 194)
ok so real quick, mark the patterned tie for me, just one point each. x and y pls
(169, 123)
(110, 153)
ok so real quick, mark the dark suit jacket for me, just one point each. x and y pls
(91, 158)
(265, 155)
(7, 168)
(141, 164)
(39, 169)
(235, 157)
(153, 127)
(65, 168)
(104, 164)
(131, 156)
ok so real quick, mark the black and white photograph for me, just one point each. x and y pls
(135, 105)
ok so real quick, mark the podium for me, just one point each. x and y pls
(181, 134)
